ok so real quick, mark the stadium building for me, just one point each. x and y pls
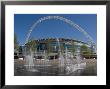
(52, 47)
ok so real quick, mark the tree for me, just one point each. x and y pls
(16, 44)
(73, 48)
(62, 47)
(48, 46)
(85, 50)
(32, 45)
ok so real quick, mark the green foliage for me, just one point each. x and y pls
(16, 44)
(85, 50)
(32, 45)
(20, 49)
(62, 47)
(48, 46)
(73, 48)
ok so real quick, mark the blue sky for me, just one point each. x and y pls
(55, 28)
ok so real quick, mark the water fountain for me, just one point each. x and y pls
(69, 63)
(70, 67)
(61, 60)
(79, 58)
(66, 65)
(68, 60)
(29, 60)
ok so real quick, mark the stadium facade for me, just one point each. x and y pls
(52, 48)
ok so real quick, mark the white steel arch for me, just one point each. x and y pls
(63, 19)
